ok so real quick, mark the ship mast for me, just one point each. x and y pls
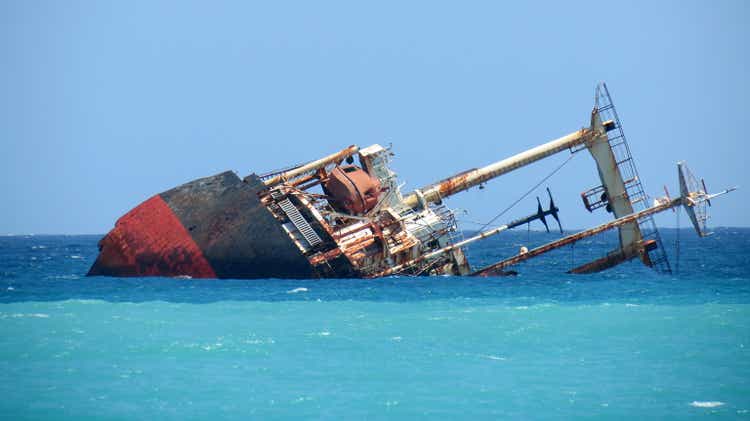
(689, 200)
(463, 181)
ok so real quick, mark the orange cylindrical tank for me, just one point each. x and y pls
(351, 189)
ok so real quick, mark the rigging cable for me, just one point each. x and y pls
(528, 192)
(677, 244)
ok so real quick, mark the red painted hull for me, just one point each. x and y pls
(150, 241)
(213, 227)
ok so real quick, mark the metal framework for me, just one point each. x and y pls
(633, 186)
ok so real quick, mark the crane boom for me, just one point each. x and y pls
(570, 239)
(468, 179)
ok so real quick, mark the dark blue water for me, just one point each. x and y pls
(544, 344)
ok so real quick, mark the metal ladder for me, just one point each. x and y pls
(633, 186)
(300, 222)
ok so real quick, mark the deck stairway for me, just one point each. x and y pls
(296, 218)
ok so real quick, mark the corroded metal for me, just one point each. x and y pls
(468, 179)
(312, 166)
(570, 239)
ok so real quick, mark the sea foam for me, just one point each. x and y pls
(706, 404)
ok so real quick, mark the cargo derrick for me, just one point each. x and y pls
(330, 218)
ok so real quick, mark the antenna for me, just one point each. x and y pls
(554, 209)
(540, 214)
(696, 198)
(693, 190)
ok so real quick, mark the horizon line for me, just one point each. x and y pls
(463, 230)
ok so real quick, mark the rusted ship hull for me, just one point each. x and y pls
(278, 226)
(213, 227)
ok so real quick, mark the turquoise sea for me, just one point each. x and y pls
(543, 345)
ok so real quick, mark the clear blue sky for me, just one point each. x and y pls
(103, 104)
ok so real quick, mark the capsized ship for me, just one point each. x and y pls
(334, 218)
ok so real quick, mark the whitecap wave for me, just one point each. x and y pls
(211, 347)
(296, 290)
(22, 315)
(63, 277)
(260, 341)
(706, 404)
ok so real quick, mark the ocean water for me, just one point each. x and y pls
(542, 345)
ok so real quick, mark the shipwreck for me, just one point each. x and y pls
(334, 218)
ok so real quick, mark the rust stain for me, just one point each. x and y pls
(453, 185)
(320, 258)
